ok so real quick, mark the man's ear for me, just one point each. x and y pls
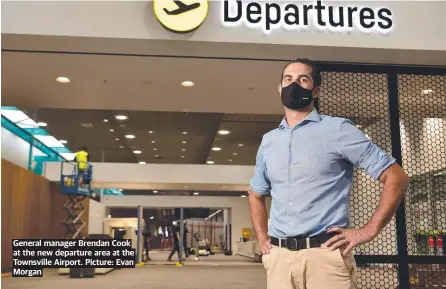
(279, 88)
(316, 92)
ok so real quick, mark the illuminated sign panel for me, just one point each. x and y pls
(187, 15)
(270, 15)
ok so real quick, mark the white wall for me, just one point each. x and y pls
(415, 24)
(96, 214)
(14, 149)
(136, 176)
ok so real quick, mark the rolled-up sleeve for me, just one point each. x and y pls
(355, 147)
(260, 182)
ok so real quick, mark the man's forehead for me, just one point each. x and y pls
(298, 68)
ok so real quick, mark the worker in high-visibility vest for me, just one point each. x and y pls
(82, 161)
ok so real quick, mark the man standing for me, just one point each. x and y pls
(82, 161)
(176, 242)
(307, 166)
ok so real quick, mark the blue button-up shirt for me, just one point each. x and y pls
(308, 171)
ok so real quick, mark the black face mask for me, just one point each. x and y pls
(295, 96)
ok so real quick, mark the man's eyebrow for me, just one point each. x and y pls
(299, 76)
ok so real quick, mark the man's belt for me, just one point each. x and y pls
(299, 243)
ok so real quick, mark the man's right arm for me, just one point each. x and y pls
(259, 219)
(260, 187)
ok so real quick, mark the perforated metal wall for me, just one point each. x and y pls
(409, 111)
(364, 98)
(422, 102)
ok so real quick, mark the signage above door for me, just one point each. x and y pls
(270, 15)
(187, 15)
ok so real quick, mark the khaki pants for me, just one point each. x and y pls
(315, 268)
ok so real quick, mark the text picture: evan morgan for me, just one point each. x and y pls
(297, 16)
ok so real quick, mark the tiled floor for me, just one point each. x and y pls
(153, 277)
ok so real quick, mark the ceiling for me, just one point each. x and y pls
(162, 137)
(142, 83)
(236, 95)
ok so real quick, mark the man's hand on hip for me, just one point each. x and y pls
(349, 238)
(265, 246)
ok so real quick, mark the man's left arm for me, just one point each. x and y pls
(355, 147)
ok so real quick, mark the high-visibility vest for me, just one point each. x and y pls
(81, 158)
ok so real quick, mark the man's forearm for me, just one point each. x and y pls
(259, 215)
(395, 186)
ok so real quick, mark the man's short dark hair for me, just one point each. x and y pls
(316, 74)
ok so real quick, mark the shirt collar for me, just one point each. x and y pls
(313, 116)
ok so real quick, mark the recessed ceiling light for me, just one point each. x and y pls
(116, 139)
(112, 130)
(216, 149)
(230, 160)
(157, 156)
(243, 196)
(184, 132)
(224, 132)
(184, 142)
(183, 150)
(187, 83)
(137, 152)
(155, 149)
(121, 147)
(62, 141)
(150, 131)
(42, 124)
(183, 157)
(234, 154)
(153, 141)
(142, 163)
(155, 192)
(196, 193)
(130, 136)
(427, 91)
(210, 162)
(121, 117)
(152, 217)
(63, 79)
(105, 120)
(240, 144)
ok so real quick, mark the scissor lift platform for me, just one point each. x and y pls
(76, 192)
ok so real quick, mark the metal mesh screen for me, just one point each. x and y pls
(427, 275)
(422, 101)
(380, 276)
(363, 98)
